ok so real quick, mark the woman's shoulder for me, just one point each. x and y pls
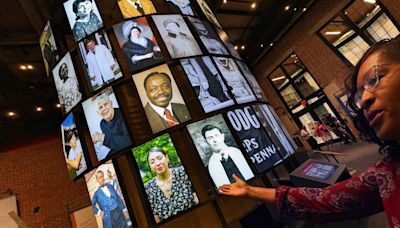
(150, 184)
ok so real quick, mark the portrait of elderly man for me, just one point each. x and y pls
(114, 133)
(160, 111)
(136, 8)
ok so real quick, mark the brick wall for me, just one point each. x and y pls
(38, 175)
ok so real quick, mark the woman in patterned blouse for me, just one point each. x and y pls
(374, 97)
(170, 191)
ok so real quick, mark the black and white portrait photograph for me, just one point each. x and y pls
(48, 47)
(176, 35)
(161, 98)
(138, 44)
(106, 197)
(232, 75)
(83, 16)
(207, 83)
(136, 8)
(106, 125)
(99, 59)
(180, 6)
(219, 151)
(208, 12)
(208, 36)
(66, 83)
(224, 37)
(252, 81)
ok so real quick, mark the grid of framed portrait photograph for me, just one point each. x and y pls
(219, 151)
(167, 185)
(108, 201)
(107, 127)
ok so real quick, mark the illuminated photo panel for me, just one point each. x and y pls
(48, 47)
(161, 99)
(106, 125)
(208, 36)
(83, 17)
(108, 202)
(208, 12)
(231, 73)
(138, 44)
(259, 147)
(136, 8)
(180, 6)
(219, 151)
(168, 187)
(252, 81)
(176, 35)
(224, 37)
(207, 83)
(66, 83)
(99, 60)
(72, 147)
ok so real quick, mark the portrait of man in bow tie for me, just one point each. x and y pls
(162, 101)
(136, 8)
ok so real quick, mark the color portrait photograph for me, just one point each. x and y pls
(106, 125)
(136, 8)
(108, 202)
(161, 98)
(138, 44)
(99, 60)
(72, 147)
(66, 83)
(167, 185)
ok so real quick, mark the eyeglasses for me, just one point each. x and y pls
(371, 81)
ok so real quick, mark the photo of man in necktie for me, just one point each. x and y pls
(136, 8)
(162, 101)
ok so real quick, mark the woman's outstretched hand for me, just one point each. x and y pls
(238, 189)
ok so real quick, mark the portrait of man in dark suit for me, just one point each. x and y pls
(161, 99)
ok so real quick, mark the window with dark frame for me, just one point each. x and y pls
(359, 25)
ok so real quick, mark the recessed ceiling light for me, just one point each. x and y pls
(225, 1)
(345, 13)
(253, 5)
(243, 47)
(236, 47)
(39, 109)
(58, 105)
(370, 1)
(11, 114)
(271, 44)
(304, 9)
(261, 45)
(333, 33)
(287, 8)
(295, 9)
(30, 67)
(23, 67)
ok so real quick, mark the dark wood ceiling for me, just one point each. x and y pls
(22, 22)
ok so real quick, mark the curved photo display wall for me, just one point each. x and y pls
(167, 185)
(106, 196)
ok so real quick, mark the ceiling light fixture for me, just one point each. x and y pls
(304, 9)
(30, 67)
(39, 109)
(243, 47)
(295, 9)
(23, 67)
(331, 33)
(11, 114)
(58, 105)
(236, 47)
(370, 1)
(261, 45)
(225, 1)
(287, 8)
(278, 78)
(253, 5)
(271, 44)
